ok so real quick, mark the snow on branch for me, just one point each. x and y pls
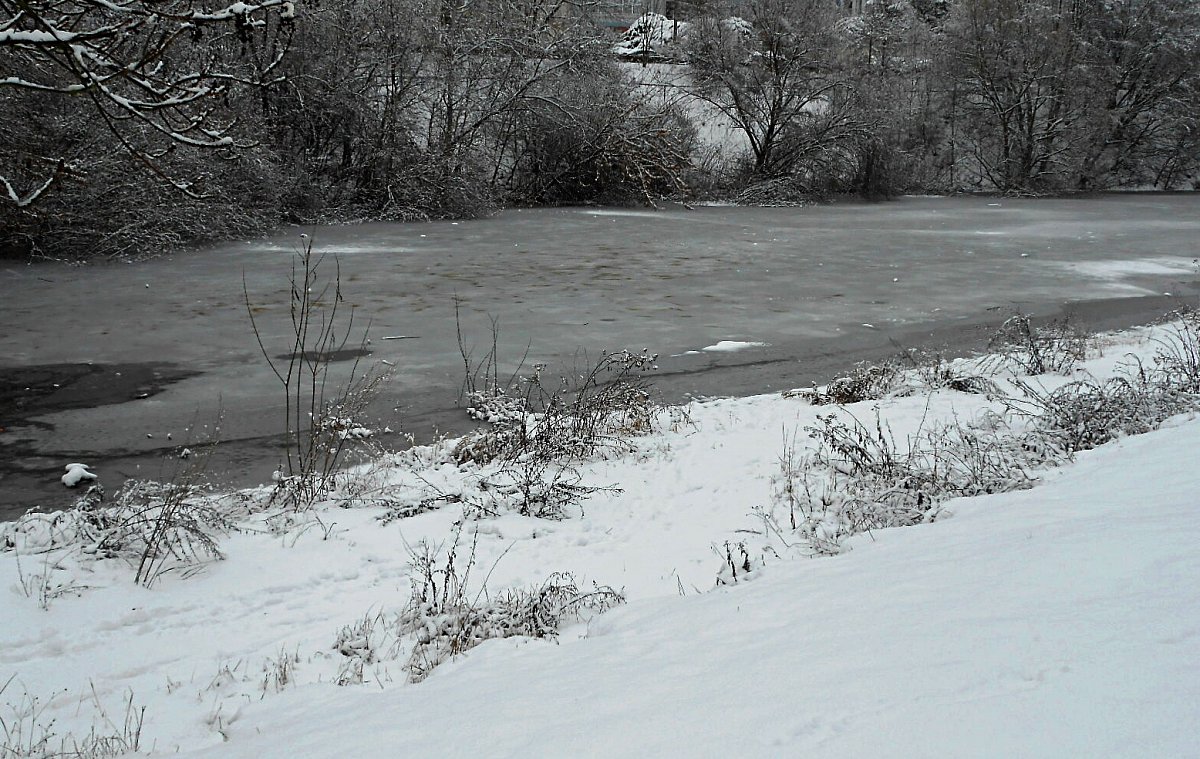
(28, 199)
(165, 64)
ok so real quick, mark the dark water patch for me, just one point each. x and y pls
(327, 357)
(27, 391)
(28, 476)
(30, 479)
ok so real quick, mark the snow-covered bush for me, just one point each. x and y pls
(1177, 360)
(504, 414)
(166, 526)
(538, 431)
(936, 373)
(1084, 414)
(1089, 412)
(858, 478)
(533, 486)
(595, 410)
(902, 375)
(652, 35)
(155, 527)
(484, 444)
(447, 625)
(496, 407)
(1020, 347)
(865, 382)
(444, 619)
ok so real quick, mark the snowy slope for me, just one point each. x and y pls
(1062, 620)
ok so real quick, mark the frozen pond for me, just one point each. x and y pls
(169, 342)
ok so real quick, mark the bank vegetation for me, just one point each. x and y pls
(132, 128)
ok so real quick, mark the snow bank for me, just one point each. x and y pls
(1061, 620)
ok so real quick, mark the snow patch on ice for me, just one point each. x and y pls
(729, 346)
(622, 212)
(1167, 265)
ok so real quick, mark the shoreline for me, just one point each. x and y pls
(30, 477)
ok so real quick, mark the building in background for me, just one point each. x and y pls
(620, 14)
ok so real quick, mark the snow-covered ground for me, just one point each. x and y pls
(1062, 620)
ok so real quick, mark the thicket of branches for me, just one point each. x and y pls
(133, 126)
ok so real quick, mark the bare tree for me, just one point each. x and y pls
(154, 73)
(1017, 66)
(1144, 80)
(772, 73)
(1075, 93)
(596, 138)
(345, 122)
(889, 48)
(487, 61)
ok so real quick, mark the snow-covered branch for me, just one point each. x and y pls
(21, 201)
(166, 65)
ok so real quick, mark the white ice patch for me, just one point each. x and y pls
(729, 346)
(335, 249)
(352, 249)
(612, 212)
(1167, 265)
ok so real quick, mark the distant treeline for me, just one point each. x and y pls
(127, 129)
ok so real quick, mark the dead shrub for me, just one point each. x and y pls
(320, 414)
(865, 382)
(936, 373)
(157, 527)
(896, 376)
(1177, 359)
(858, 479)
(1019, 346)
(535, 431)
(1084, 414)
(445, 621)
(164, 527)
